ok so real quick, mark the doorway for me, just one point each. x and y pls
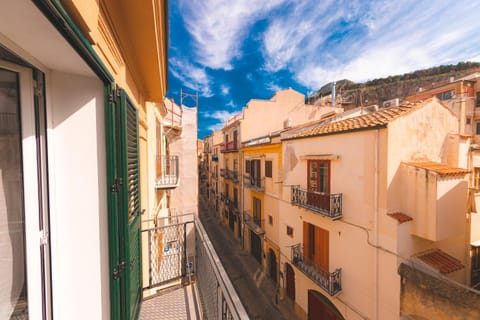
(25, 288)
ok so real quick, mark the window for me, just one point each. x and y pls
(477, 103)
(255, 172)
(447, 95)
(235, 164)
(235, 196)
(289, 231)
(478, 129)
(268, 168)
(257, 208)
(247, 166)
(270, 219)
(468, 121)
(319, 176)
(476, 177)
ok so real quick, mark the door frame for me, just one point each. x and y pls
(35, 272)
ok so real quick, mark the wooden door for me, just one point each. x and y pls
(316, 246)
(319, 308)
(290, 282)
(272, 261)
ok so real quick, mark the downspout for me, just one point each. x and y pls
(375, 204)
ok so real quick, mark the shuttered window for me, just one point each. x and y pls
(268, 169)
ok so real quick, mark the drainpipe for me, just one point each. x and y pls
(376, 209)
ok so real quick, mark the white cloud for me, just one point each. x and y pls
(221, 117)
(219, 26)
(191, 76)
(273, 87)
(397, 37)
(224, 89)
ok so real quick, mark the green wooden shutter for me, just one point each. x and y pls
(123, 176)
(130, 172)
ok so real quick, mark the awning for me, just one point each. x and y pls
(440, 261)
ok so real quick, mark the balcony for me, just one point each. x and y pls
(233, 206)
(224, 173)
(329, 281)
(167, 172)
(232, 175)
(254, 222)
(177, 253)
(254, 183)
(327, 204)
(229, 146)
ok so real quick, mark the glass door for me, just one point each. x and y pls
(22, 268)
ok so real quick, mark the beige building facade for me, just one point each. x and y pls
(364, 195)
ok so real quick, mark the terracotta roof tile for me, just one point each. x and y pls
(442, 169)
(400, 217)
(441, 261)
(371, 120)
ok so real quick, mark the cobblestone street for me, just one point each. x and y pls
(256, 290)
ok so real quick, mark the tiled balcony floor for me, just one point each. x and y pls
(179, 302)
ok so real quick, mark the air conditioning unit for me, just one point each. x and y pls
(287, 123)
(391, 103)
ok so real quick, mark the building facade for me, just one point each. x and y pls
(75, 93)
(364, 195)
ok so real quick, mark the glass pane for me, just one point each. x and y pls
(312, 178)
(323, 177)
(13, 287)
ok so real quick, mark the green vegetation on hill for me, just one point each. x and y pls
(398, 86)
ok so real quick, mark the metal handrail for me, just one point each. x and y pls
(329, 281)
(167, 171)
(327, 204)
(254, 183)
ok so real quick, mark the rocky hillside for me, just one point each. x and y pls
(399, 86)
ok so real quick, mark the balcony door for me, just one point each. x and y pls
(316, 246)
(318, 181)
(24, 245)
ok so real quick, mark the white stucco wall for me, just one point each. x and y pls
(185, 197)
(78, 208)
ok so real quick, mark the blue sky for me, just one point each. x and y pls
(231, 51)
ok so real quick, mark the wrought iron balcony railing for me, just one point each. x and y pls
(229, 146)
(327, 204)
(167, 172)
(255, 222)
(183, 250)
(224, 173)
(233, 206)
(254, 183)
(329, 281)
(232, 175)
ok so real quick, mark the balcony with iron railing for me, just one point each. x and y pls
(177, 253)
(254, 222)
(254, 183)
(329, 281)
(224, 173)
(167, 172)
(233, 205)
(326, 204)
(229, 146)
(232, 175)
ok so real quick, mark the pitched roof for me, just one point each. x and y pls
(365, 122)
(400, 217)
(441, 169)
(441, 261)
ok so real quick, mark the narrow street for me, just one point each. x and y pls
(254, 288)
